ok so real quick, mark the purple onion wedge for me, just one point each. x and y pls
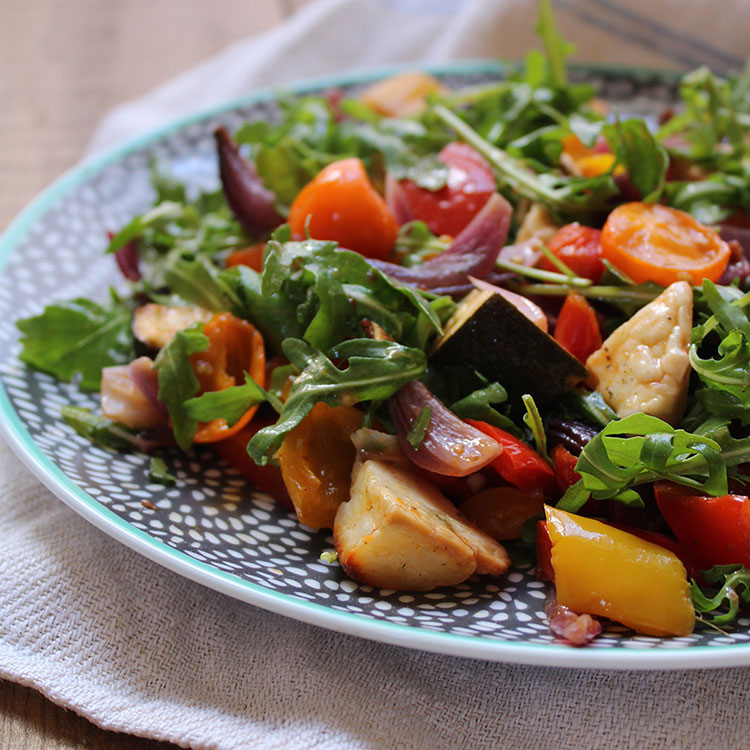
(250, 201)
(472, 253)
(450, 446)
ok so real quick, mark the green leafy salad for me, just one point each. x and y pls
(463, 329)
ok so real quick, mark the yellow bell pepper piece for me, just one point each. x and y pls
(596, 164)
(601, 570)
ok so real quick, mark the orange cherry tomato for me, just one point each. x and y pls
(650, 242)
(577, 328)
(235, 347)
(580, 248)
(249, 256)
(343, 206)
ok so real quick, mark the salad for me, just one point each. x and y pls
(463, 329)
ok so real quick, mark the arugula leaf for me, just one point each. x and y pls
(533, 420)
(726, 376)
(275, 315)
(375, 371)
(555, 46)
(101, 430)
(229, 404)
(308, 137)
(591, 406)
(78, 337)
(564, 194)
(644, 159)
(157, 472)
(160, 214)
(178, 382)
(333, 289)
(730, 372)
(576, 496)
(418, 430)
(733, 582)
(641, 448)
(478, 405)
(723, 404)
(198, 281)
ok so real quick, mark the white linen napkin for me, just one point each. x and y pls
(136, 648)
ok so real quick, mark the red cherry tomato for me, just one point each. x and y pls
(342, 205)
(580, 248)
(714, 530)
(519, 464)
(577, 328)
(470, 183)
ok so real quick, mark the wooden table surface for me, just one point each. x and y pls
(63, 64)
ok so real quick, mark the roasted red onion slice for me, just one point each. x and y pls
(251, 203)
(526, 253)
(450, 446)
(575, 629)
(396, 200)
(472, 253)
(127, 395)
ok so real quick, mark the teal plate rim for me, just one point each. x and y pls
(478, 647)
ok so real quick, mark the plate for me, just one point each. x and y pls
(211, 527)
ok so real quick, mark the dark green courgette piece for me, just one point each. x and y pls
(489, 334)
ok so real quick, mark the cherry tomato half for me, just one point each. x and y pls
(342, 205)
(470, 183)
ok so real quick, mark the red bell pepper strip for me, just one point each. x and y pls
(577, 328)
(564, 463)
(714, 530)
(519, 464)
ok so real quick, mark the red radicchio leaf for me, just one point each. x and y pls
(575, 629)
(472, 253)
(127, 259)
(450, 446)
(250, 201)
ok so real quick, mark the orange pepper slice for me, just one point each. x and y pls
(316, 461)
(235, 347)
(651, 242)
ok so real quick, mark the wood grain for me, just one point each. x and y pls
(63, 64)
(28, 721)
